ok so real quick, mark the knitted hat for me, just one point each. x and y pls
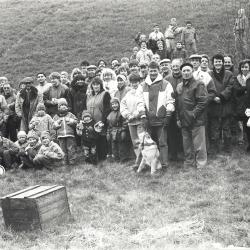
(40, 106)
(45, 134)
(91, 67)
(195, 56)
(21, 134)
(86, 113)
(62, 101)
(114, 100)
(33, 134)
(166, 60)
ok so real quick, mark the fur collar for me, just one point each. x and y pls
(149, 82)
(33, 93)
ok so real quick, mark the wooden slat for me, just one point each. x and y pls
(51, 198)
(47, 191)
(31, 192)
(19, 192)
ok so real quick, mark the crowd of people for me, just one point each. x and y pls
(190, 105)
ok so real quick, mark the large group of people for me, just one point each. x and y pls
(192, 106)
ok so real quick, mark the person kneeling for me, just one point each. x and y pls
(50, 154)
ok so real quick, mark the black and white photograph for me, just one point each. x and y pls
(125, 124)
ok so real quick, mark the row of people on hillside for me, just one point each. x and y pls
(186, 107)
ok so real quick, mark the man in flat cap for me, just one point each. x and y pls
(191, 103)
(26, 101)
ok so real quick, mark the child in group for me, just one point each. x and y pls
(109, 81)
(50, 154)
(21, 143)
(31, 150)
(8, 151)
(41, 121)
(116, 130)
(86, 129)
(64, 123)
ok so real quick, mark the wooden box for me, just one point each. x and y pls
(36, 207)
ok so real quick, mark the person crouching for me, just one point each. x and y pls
(31, 150)
(64, 123)
(50, 154)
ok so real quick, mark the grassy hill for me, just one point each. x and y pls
(56, 35)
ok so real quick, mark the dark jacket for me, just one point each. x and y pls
(240, 98)
(77, 99)
(223, 84)
(191, 103)
(25, 105)
(58, 92)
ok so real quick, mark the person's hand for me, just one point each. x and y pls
(217, 99)
(179, 123)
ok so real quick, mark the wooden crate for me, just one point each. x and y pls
(36, 207)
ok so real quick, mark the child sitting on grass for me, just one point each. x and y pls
(65, 123)
(31, 150)
(50, 154)
(86, 129)
(21, 143)
(116, 130)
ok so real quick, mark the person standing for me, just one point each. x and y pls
(191, 103)
(170, 34)
(220, 108)
(189, 38)
(241, 33)
(157, 95)
(43, 85)
(26, 101)
(155, 36)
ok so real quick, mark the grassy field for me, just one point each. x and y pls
(112, 207)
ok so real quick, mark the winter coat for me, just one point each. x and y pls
(191, 103)
(174, 79)
(64, 124)
(11, 99)
(120, 93)
(132, 106)
(61, 91)
(224, 92)
(32, 151)
(87, 132)
(240, 93)
(144, 56)
(99, 106)
(6, 144)
(41, 123)
(77, 99)
(158, 99)
(26, 109)
(53, 151)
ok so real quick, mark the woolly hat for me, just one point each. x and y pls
(21, 134)
(40, 106)
(33, 134)
(62, 101)
(114, 100)
(45, 134)
(86, 113)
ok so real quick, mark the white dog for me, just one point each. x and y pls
(150, 153)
